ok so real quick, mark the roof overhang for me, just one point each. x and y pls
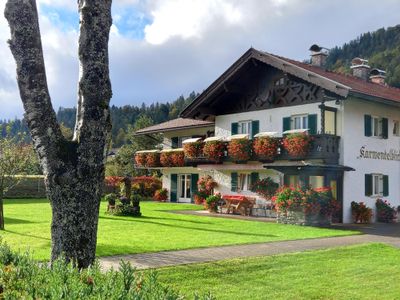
(147, 132)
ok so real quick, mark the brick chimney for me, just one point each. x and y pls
(360, 68)
(318, 56)
(377, 76)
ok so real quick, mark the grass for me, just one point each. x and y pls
(356, 272)
(28, 225)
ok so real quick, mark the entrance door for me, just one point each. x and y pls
(184, 188)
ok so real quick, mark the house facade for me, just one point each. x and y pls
(353, 121)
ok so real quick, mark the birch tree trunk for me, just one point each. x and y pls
(74, 170)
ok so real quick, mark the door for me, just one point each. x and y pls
(185, 188)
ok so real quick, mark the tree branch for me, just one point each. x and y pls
(26, 47)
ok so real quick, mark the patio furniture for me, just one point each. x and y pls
(239, 204)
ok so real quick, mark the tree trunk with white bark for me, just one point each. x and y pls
(74, 170)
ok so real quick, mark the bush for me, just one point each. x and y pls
(266, 187)
(214, 150)
(23, 278)
(146, 186)
(161, 195)
(360, 212)
(212, 202)
(297, 144)
(240, 149)
(111, 198)
(385, 212)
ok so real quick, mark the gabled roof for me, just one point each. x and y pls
(339, 84)
(176, 124)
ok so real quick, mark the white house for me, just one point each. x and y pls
(354, 119)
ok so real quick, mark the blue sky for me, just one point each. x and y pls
(160, 49)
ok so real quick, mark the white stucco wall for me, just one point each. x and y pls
(353, 139)
(167, 143)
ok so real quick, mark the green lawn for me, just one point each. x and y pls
(358, 272)
(28, 225)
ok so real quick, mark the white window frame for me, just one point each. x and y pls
(303, 118)
(244, 182)
(181, 139)
(377, 185)
(376, 122)
(245, 127)
(396, 128)
(187, 185)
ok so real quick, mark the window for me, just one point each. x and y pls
(376, 126)
(316, 181)
(244, 183)
(244, 127)
(377, 185)
(294, 180)
(280, 82)
(181, 139)
(330, 122)
(185, 181)
(396, 128)
(299, 122)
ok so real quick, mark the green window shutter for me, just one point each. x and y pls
(255, 128)
(234, 182)
(385, 128)
(368, 184)
(367, 125)
(286, 123)
(385, 185)
(174, 142)
(194, 189)
(174, 187)
(254, 178)
(312, 124)
(234, 128)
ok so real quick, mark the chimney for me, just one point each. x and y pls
(318, 56)
(360, 68)
(377, 76)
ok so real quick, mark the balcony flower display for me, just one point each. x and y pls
(152, 158)
(193, 147)
(297, 144)
(140, 158)
(214, 149)
(172, 158)
(240, 147)
(265, 146)
(305, 206)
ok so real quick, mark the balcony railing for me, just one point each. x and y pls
(324, 147)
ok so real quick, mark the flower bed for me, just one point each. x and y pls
(361, 213)
(240, 149)
(297, 144)
(193, 149)
(172, 158)
(385, 212)
(266, 147)
(214, 150)
(305, 206)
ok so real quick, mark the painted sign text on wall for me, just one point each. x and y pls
(392, 154)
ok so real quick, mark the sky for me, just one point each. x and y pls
(161, 49)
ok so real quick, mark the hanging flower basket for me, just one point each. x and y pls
(297, 144)
(194, 149)
(240, 149)
(266, 148)
(140, 158)
(214, 150)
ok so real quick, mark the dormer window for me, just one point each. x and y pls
(280, 82)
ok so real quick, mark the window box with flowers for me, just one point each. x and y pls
(214, 149)
(172, 158)
(297, 144)
(193, 148)
(239, 148)
(265, 146)
(305, 206)
(140, 158)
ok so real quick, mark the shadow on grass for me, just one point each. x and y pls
(13, 221)
(28, 235)
(190, 228)
(25, 201)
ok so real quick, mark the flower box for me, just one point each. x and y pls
(172, 158)
(153, 159)
(240, 149)
(266, 147)
(297, 144)
(214, 149)
(140, 158)
(193, 148)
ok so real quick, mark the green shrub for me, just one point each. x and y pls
(23, 278)
(111, 198)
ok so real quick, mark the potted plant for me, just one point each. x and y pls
(297, 144)
(214, 150)
(140, 158)
(385, 212)
(161, 195)
(193, 149)
(240, 149)
(361, 213)
(266, 147)
(212, 202)
(153, 159)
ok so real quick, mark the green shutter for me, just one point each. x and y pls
(367, 125)
(234, 182)
(254, 178)
(255, 128)
(194, 189)
(385, 185)
(368, 184)
(234, 128)
(312, 124)
(286, 123)
(174, 187)
(174, 142)
(385, 128)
